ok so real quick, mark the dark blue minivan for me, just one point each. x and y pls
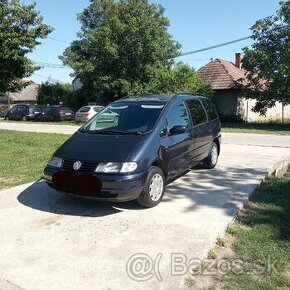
(136, 146)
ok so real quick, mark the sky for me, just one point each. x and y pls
(194, 24)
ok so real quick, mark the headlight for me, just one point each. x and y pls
(55, 162)
(116, 167)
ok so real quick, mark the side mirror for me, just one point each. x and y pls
(176, 130)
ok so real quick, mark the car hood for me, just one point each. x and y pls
(98, 148)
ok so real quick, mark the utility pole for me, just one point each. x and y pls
(8, 100)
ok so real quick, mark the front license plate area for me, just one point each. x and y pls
(77, 182)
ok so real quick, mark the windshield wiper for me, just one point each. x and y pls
(111, 132)
(117, 132)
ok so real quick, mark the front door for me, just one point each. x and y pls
(177, 147)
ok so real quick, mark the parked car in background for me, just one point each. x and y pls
(23, 112)
(56, 113)
(108, 117)
(154, 140)
(87, 112)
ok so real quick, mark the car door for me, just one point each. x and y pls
(19, 112)
(177, 146)
(12, 113)
(201, 130)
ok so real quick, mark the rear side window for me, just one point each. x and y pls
(98, 109)
(177, 116)
(197, 112)
(210, 109)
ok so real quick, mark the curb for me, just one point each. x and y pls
(278, 169)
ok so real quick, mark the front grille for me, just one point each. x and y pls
(85, 167)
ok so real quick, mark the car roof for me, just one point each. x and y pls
(92, 106)
(160, 98)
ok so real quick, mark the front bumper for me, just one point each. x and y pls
(115, 187)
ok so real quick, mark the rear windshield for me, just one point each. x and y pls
(84, 109)
(35, 109)
(65, 109)
(129, 117)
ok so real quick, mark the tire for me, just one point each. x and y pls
(211, 160)
(24, 118)
(147, 198)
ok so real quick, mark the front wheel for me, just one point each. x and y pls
(24, 118)
(211, 160)
(153, 190)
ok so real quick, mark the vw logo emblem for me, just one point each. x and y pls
(77, 165)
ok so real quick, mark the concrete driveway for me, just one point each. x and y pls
(50, 241)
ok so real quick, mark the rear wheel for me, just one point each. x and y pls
(153, 190)
(211, 160)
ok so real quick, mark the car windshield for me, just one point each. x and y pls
(125, 118)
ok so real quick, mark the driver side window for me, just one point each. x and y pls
(177, 115)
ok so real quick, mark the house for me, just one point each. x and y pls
(224, 77)
(27, 95)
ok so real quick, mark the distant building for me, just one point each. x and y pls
(224, 76)
(27, 95)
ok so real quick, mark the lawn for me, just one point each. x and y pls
(262, 127)
(259, 241)
(24, 155)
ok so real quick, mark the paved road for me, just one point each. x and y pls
(228, 138)
(36, 127)
(50, 241)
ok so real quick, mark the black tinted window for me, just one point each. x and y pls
(22, 109)
(48, 110)
(197, 112)
(210, 109)
(177, 116)
(65, 109)
(35, 109)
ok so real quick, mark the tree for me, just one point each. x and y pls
(179, 78)
(267, 62)
(53, 94)
(122, 45)
(21, 28)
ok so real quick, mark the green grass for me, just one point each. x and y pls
(24, 155)
(264, 235)
(259, 127)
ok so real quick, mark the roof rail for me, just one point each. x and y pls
(189, 93)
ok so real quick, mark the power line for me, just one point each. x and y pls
(213, 46)
(59, 40)
(228, 42)
(51, 65)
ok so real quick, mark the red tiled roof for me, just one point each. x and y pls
(221, 74)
